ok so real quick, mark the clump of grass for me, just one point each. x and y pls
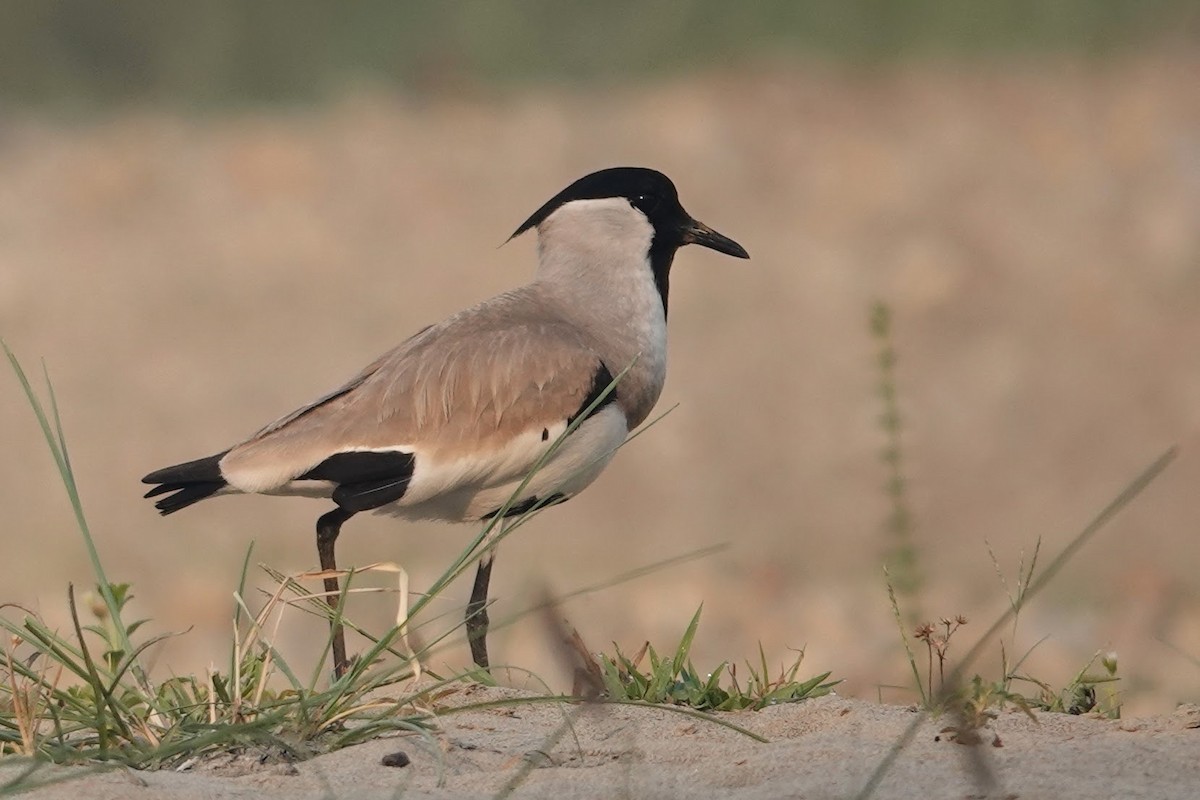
(670, 684)
(675, 680)
(83, 695)
(900, 554)
(1088, 692)
(986, 693)
(978, 700)
(976, 704)
(71, 698)
(972, 705)
(903, 579)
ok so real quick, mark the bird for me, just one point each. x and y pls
(448, 424)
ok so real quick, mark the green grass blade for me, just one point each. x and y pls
(56, 441)
(685, 643)
(908, 652)
(238, 605)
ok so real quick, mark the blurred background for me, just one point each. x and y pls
(213, 212)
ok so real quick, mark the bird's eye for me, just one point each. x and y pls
(646, 203)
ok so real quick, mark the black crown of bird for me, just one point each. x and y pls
(449, 424)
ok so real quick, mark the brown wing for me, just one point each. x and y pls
(468, 386)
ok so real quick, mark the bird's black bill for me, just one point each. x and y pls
(697, 232)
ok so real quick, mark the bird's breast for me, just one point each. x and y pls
(638, 346)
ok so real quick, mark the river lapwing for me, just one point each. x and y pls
(447, 425)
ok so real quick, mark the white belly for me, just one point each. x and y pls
(466, 493)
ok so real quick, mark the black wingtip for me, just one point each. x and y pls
(185, 484)
(202, 469)
(184, 494)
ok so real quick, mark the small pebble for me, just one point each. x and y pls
(396, 759)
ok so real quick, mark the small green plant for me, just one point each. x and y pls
(976, 704)
(974, 700)
(1088, 692)
(1080, 695)
(900, 554)
(971, 705)
(937, 643)
(1026, 591)
(675, 680)
(71, 698)
(1028, 587)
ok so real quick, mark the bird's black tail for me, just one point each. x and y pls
(189, 483)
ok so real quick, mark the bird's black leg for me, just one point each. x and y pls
(477, 615)
(328, 528)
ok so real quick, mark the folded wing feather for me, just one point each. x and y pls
(474, 388)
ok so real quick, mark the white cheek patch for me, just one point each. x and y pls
(609, 227)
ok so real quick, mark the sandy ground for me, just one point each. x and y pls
(1033, 225)
(822, 748)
